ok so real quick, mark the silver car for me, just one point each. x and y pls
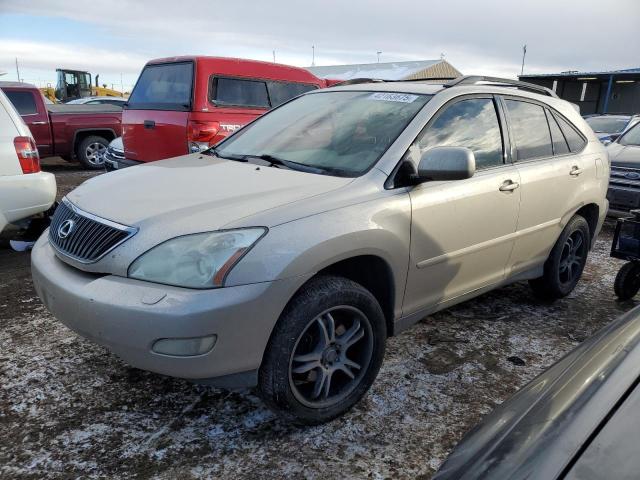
(284, 257)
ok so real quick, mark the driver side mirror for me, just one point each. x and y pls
(447, 163)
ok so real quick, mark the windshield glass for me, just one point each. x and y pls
(607, 125)
(632, 137)
(339, 133)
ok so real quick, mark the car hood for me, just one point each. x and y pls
(535, 433)
(624, 155)
(196, 192)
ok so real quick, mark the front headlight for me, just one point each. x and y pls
(200, 260)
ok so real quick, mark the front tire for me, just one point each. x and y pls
(325, 351)
(90, 152)
(565, 264)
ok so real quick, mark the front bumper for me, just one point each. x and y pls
(112, 163)
(623, 198)
(127, 316)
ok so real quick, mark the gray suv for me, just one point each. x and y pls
(284, 257)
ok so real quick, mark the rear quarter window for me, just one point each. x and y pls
(239, 92)
(574, 139)
(24, 102)
(280, 92)
(164, 87)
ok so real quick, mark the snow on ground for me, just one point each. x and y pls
(69, 408)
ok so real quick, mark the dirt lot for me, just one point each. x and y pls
(69, 408)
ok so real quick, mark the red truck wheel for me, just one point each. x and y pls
(91, 150)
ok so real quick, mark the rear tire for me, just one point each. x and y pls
(565, 264)
(90, 152)
(331, 317)
(627, 281)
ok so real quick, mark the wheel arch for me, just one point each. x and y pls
(80, 134)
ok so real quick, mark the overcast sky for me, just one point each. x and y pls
(480, 37)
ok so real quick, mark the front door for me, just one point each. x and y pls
(462, 231)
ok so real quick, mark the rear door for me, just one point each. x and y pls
(154, 124)
(550, 174)
(37, 119)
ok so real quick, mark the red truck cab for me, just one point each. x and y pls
(73, 132)
(183, 105)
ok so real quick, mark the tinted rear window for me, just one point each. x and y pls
(574, 139)
(239, 92)
(560, 146)
(164, 87)
(24, 102)
(530, 129)
(280, 92)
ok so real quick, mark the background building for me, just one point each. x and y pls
(418, 70)
(616, 91)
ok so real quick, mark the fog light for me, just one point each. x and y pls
(184, 347)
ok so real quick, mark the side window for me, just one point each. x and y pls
(243, 93)
(24, 102)
(471, 123)
(574, 139)
(280, 92)
(560, 146)
(530, 130)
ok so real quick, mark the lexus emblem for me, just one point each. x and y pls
(66, 228)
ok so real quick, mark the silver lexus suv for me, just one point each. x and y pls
(284, 257)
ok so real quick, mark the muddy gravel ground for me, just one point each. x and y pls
(70, 409)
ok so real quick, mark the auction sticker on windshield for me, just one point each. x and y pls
(393, 97)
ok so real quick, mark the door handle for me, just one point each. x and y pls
(149, 124)
(38, 123)
(575, 171)
(509, 186)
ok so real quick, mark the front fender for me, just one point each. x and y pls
(379, 227)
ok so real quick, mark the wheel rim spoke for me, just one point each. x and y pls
(321, 351)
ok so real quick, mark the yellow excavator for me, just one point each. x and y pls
(73, 84)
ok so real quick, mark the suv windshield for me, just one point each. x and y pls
(632, 137)
(607, 125)
(337, 133)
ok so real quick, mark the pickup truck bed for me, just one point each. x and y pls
(73, 132)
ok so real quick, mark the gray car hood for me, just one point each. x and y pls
(196, 192)
(624, 155)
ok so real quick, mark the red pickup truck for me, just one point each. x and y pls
(73, 132)
(182, 105)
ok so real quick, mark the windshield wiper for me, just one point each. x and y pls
(228, 156)
(277, 161)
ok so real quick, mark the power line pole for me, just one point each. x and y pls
(524, 54)
(274, 56)
(313, 55)
(378, 53)
(17, 69)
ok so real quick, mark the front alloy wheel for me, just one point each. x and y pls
(331, 356)
(325, 351)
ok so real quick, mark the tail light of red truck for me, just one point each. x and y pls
(202, 135)
(27, 154)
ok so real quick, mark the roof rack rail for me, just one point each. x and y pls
(473, 79)
(355, 81)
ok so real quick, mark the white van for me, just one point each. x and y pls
(24, 189)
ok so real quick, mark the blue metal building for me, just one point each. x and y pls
(616, 91)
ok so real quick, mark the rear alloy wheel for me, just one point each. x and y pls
(91, 151)
(325, 351)
(565, 264)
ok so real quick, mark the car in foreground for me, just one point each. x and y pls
(99, 100)
(187, 104)
(624, 185)
(609, 127)
(577, 420)
(286, 255)
(73, 132)
(24, 189)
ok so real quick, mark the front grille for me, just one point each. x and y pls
(83, 236)
(115, 154)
